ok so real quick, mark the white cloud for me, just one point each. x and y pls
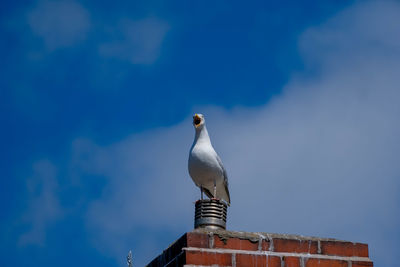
(138, 42)
(320, 159)
(59, 23)
(43, 204)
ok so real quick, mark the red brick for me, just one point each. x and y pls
(197, 240)
(246, 260)
(344, 249)
(362, 264)
(291, 261)
(325, 263)
(273, 261)
(298, 246)
(235, 243)
(265, 245)
(208, 258)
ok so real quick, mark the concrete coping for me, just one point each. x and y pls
(255, 236)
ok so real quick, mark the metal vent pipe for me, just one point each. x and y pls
(210, 214)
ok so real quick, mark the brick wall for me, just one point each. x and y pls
(242, 249)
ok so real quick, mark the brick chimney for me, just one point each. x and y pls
(203, 247)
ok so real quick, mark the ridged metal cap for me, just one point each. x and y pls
(210, 214)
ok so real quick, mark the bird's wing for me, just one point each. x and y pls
(225, 178)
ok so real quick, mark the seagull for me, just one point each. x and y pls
(205, 166)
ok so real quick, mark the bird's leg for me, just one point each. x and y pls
(215, 188)
(201, 190)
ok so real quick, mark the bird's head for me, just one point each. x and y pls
(198, 121)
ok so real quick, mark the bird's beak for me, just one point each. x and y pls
(196, 120)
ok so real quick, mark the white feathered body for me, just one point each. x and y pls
(205, 167)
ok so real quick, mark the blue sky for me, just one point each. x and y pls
(301, 101)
